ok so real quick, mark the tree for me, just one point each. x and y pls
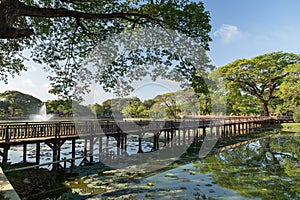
(16, 103)
(135, 108)
(148, 103)
(107, 108)
(60, 34)
(169, 102)
(176, 104)
(259, 77)
(289, 91)
(97, 109)
(60, 107)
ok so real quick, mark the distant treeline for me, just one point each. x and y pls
(170, 105)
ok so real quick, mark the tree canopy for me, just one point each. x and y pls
(259, 78)
(289, 90)
(14, 103)
(60, 34)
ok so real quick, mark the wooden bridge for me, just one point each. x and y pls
(179, 132)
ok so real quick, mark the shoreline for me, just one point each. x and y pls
(6, 189)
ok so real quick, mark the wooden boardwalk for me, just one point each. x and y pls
(54, 134)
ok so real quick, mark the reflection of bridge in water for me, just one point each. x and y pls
(164, 134)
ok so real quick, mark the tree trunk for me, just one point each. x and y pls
(265, 108)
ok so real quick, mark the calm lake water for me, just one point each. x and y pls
(16, 152)
(268, 168)
(265, 169)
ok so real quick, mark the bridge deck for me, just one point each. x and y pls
(18, 132)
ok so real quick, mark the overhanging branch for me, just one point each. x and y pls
(11, 10)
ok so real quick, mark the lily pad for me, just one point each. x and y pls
(170, 175)
(151, 184)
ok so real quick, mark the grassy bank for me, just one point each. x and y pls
(291, 127)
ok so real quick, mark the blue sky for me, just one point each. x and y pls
(245, 29)
(240, 29)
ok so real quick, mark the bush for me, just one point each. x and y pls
(296, 115)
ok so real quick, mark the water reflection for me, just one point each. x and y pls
(266, 169)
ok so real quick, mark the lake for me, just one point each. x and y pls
(268, 168)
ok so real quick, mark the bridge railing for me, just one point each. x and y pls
(28, 130)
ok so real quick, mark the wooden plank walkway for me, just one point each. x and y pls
(19, 132)
(180, 132)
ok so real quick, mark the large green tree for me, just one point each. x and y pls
(289, 91)
(59, 107)
(259, 77)
(14, 103)
(60, 34)
(135, 108)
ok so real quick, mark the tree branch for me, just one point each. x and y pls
(8, 32)
(11, 10)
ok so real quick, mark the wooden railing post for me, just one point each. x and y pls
(25, 131)
(7, 135)
(57, 130)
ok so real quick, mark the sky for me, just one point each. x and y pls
(240, 29)
(245, 29)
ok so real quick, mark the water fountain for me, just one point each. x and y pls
(42, 116)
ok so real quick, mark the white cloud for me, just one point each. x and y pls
(228, 33)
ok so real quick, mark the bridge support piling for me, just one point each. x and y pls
(4, 154)
(85, 147)
(203, 132)
(140, 144)
(155, 142)
(91, 149)
(106, 144)
(183, 136)
(38, 153)
(218, 133)
(119, 138)
(100, 146)
(73, 152)
(179, 138)
(24, 153)
(55, 145)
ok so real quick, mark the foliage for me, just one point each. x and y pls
(96, 109)
(61, 34)
(296, 115)
(14, 103)
(259, 77)
(171, 105)
(289, 91)
(59, 107)
(169, 102)
(107, 110)
(134, 108)
(290, 127)
(242, 104)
